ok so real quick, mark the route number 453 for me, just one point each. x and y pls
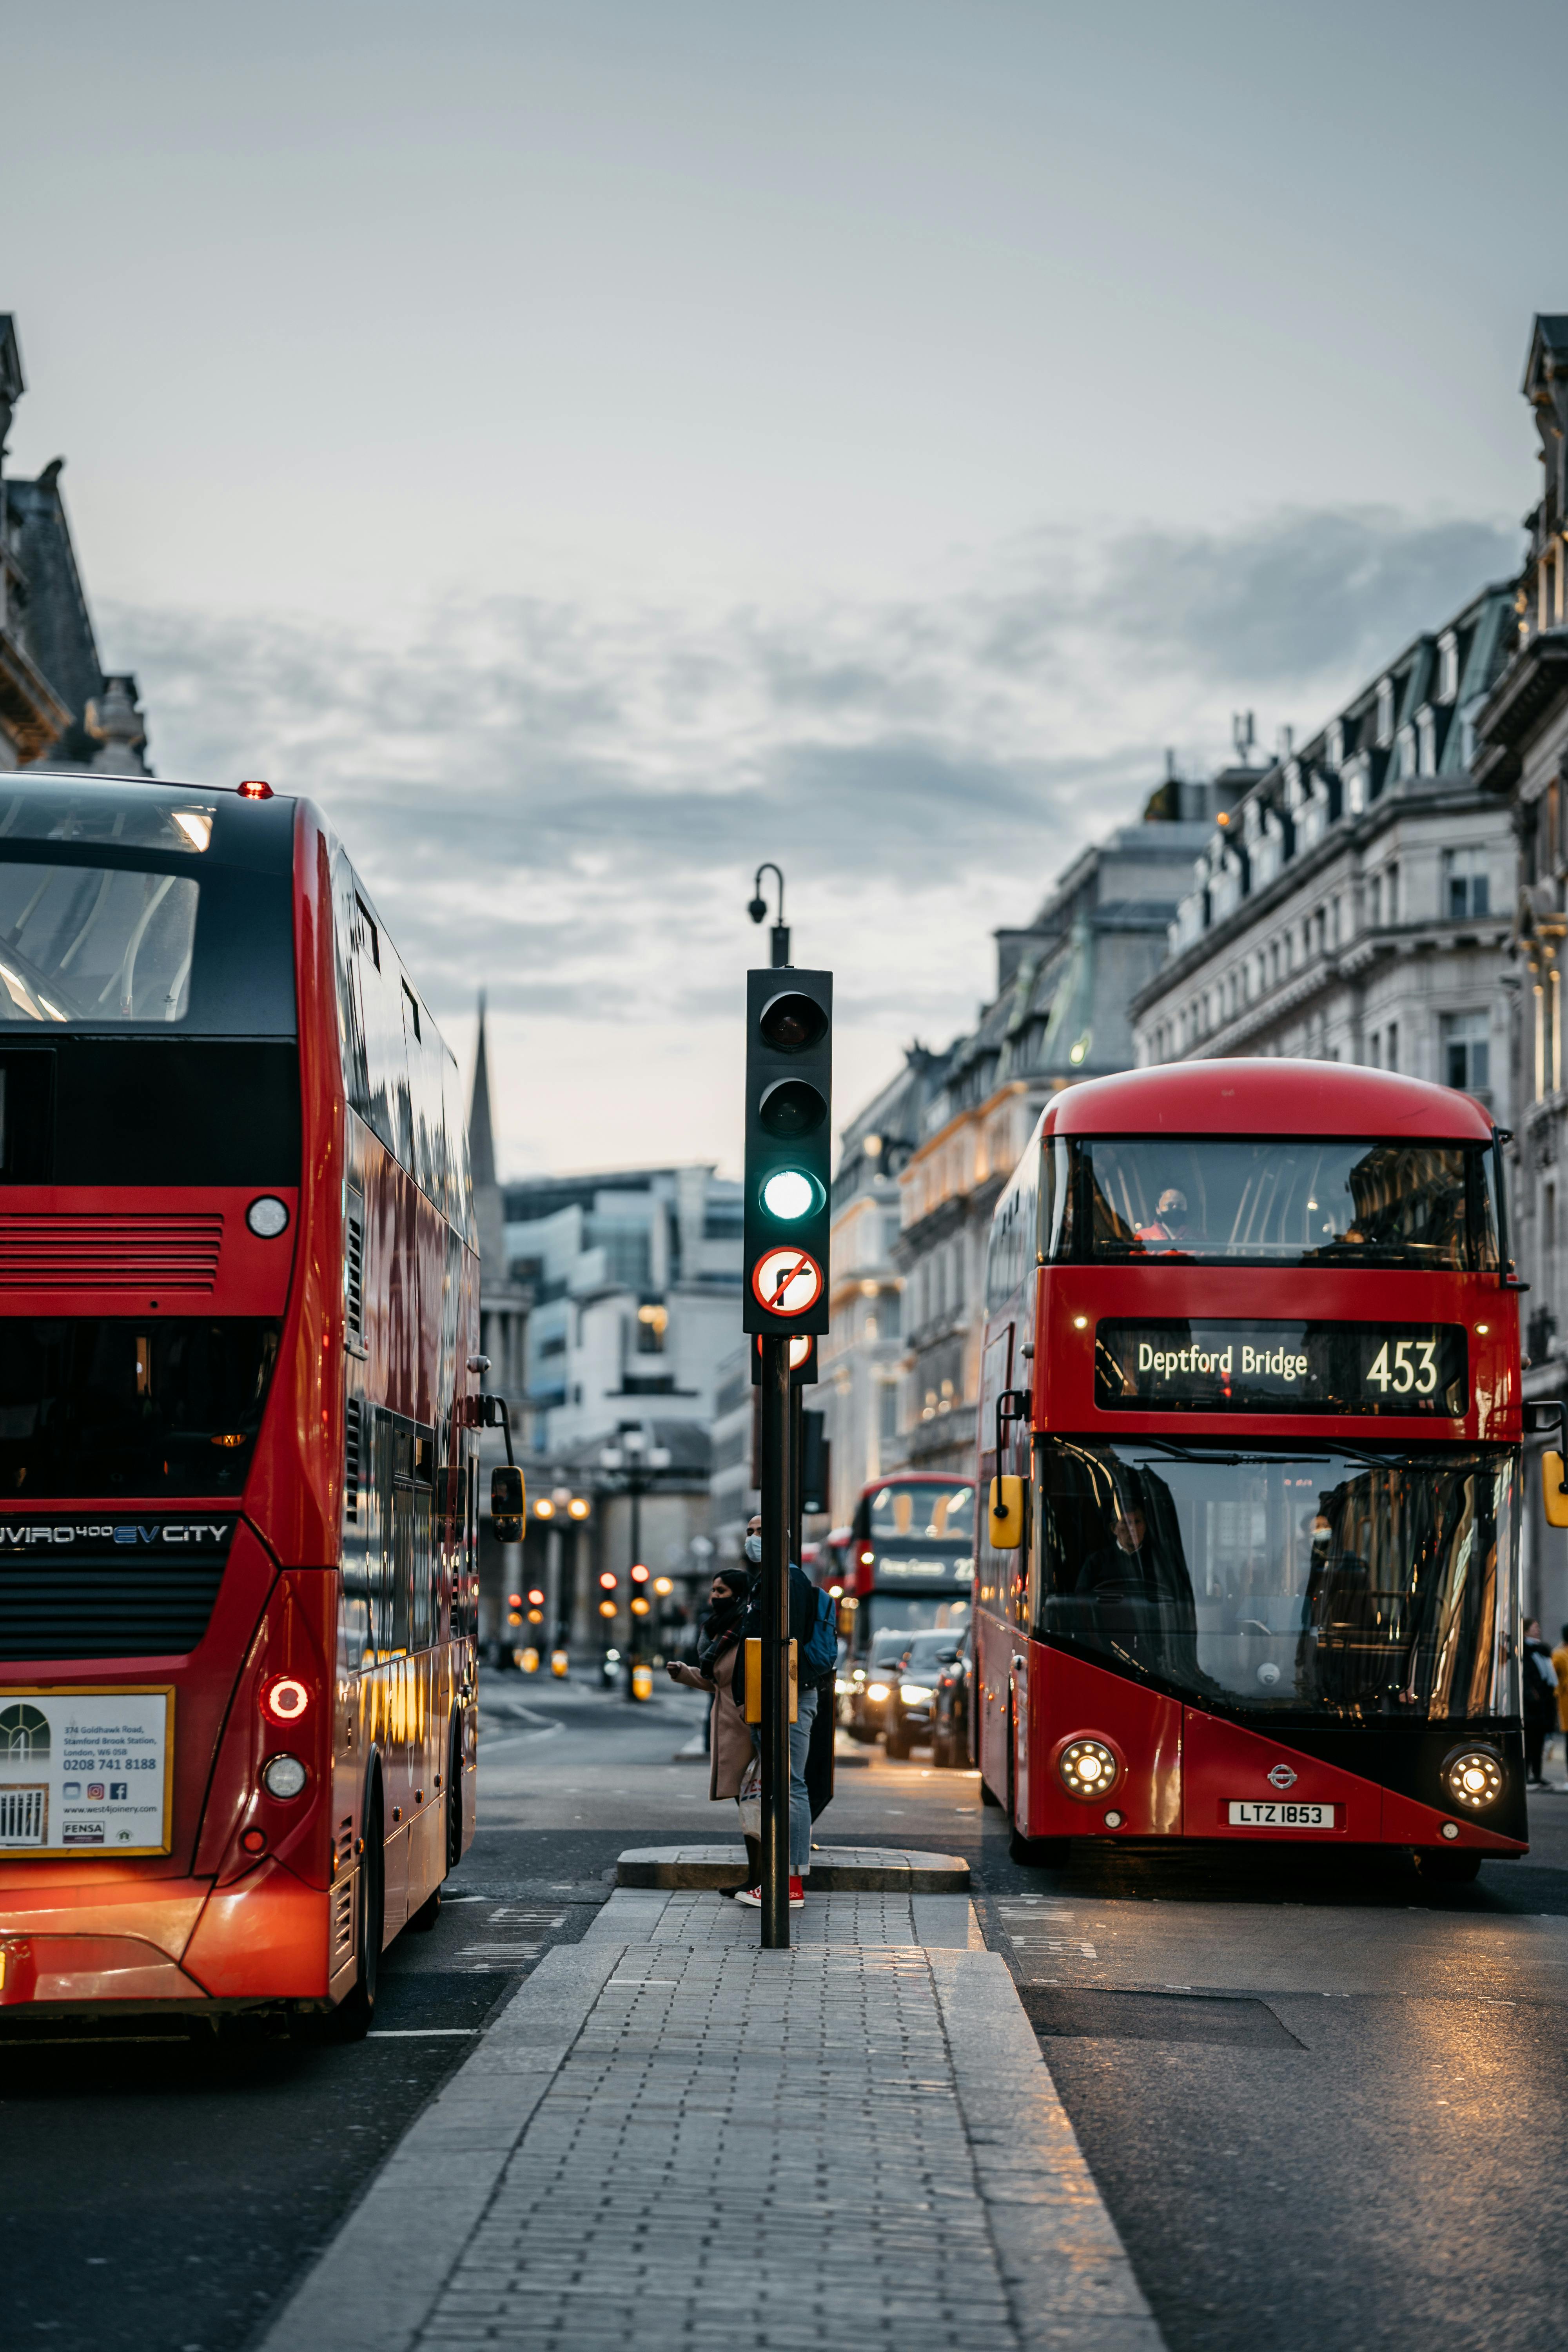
(1402, 1375)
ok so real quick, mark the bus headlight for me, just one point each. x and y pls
(283, 1776)
(1473, 1778)
(1089, 1768)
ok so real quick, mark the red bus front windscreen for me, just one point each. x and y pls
(1285, 1580)
(106, 1405)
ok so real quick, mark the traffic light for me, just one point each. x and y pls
(789, 1142)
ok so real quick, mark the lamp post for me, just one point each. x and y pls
(758, 910)
(634, 1465)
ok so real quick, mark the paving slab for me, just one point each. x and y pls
(670, 2137)
(835, 1869)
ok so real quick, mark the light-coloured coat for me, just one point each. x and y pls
(729, 1740)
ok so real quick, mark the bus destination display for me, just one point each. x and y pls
(1331, 1368)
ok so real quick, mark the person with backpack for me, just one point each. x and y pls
(814, 1629)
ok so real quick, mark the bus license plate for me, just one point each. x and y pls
(1276, 1813)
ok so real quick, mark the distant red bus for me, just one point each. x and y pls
(910, 1569)
(1251, 1400)
(238, 1450)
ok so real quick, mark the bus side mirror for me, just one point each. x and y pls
(1554, 1491)
(507, 1504)
(1007, 1513)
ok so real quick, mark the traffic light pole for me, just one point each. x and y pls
(796, 1469)
(775, 1499)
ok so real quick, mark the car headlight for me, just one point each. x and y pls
(841, 1686)
(1089, 1768)
(876, 1690)
(283, 1776)
(914, 1694)
(1474, 1778)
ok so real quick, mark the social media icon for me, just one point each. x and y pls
(95, 1789)
(118, 1790)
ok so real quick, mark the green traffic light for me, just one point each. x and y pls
(788, 1194)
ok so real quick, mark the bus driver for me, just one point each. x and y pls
(1170, 1223)
(1142, 1595)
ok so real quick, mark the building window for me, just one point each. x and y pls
(1425, 741)
(1447, 667)
(1392, 894)
(1465, 884)
(1466, 1051)
(887, 1410)
(653, 1322)
(1385, 713)
(1390, 1046)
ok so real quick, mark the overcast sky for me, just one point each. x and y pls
(594, 447)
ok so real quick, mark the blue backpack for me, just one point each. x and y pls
(819, 1651)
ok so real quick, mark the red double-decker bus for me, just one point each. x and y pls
(237, 1460)
(1250, 1436)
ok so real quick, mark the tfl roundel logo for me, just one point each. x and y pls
(1282, 1777)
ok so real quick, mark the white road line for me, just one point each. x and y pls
(419, 2032)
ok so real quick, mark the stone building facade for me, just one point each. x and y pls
(1355, 904)
(58, 705)
(1523, 760)
(860, 1359)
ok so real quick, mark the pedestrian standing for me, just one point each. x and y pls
(1560, 1668)
(730, 1749)
(1540, 1703)
(811, 1680)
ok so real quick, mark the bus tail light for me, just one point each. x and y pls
(1089, 1768)
(285, 1699)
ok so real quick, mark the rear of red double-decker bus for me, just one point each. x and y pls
(237, 1302)
(1250, 1437)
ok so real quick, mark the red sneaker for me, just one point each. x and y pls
(797, 1894)
(752, 1896)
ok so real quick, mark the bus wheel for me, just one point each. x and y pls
(1442, 1869)
(352, 2018)
(942, 1752)
(897, 1747)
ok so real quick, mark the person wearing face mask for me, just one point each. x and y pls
(803, 1613)
(730, 1749)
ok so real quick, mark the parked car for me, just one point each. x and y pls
(909, 1714)
(871, 1686)
(950, 1708)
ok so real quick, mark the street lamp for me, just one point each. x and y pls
(758, 911)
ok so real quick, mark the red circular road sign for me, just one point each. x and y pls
(787, 1281)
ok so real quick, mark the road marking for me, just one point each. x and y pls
(418, 2032)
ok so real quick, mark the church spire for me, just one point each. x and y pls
(482, 1129)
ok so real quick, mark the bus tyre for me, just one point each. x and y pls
(1442, 1869)
(941, 1752)
(353, 2017)
(898, 1746)
(1039, 1853)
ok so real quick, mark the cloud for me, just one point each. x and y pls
(1282, 602)
(565, 803)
